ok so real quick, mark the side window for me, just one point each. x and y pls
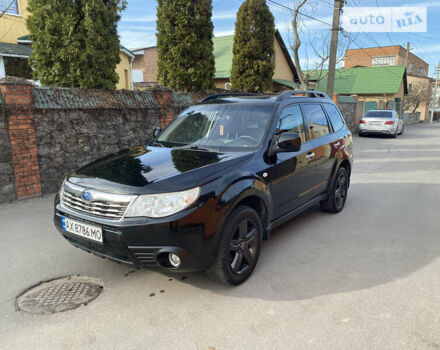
(335, 116)
(291, 120)
(318, 124)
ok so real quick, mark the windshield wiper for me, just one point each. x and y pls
(197, 148)
(157, 143)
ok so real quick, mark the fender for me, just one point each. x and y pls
(242, 189)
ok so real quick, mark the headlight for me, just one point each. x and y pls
(162, 204)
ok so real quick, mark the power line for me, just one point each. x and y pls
(301, 13)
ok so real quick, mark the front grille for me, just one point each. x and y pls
(107, 209)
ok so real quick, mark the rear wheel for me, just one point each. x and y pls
(239, 247)
(338, 193)
(403, 129)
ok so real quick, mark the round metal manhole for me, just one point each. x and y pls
(59, 295)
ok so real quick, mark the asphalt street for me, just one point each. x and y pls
(367, 278)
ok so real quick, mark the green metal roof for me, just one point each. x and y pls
(223, 56)
(366, 80)
(285, 83)
(223, 59)
(346, 99)
(15, 50)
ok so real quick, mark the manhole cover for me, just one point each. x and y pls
(59, 295)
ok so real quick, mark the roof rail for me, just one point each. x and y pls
(231, 94)
(302, 93)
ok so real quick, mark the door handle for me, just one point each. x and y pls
(310, 156)
(336, 144)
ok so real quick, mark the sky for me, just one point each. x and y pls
(137, 27)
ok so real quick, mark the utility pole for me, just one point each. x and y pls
(339, 4)
(408, 48)
(435, 99)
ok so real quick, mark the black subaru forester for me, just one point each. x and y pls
(212, 185)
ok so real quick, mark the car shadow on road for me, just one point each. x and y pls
(377, 239)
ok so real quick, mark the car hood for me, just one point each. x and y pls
(146, 169)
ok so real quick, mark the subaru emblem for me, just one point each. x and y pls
(87, 196)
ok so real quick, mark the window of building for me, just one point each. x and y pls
(384, 61)
(318, 124)
(9, 6)
(411, 67)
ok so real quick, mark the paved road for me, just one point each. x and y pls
(367, 278)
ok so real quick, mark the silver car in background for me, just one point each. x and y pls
(383, 122)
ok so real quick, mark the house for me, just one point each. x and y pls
(285, 75)
(386, 56)
(15, 46)
(379, 87)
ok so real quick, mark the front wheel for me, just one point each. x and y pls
(335, 202)
(239, 247)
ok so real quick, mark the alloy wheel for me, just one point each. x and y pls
(341, 191)
(243, 247)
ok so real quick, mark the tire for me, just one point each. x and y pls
(239, 247)
(335, 202)
(403, 129)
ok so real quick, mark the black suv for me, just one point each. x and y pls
(212, 185)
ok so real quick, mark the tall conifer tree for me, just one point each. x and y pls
(253, 50)
(184, 43)
(75, 42)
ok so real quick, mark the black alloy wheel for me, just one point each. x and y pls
(239, 247)
(337, 197)
(243, 247)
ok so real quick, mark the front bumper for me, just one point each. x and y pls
(146, 243)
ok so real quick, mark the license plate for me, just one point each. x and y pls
(375, 123)
(81, 229)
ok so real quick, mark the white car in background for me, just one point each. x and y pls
(383, 122)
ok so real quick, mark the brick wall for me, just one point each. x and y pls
(46, 133)
(18, 98)
(148, 64)
(363, 57)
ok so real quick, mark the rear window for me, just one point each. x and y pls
(335, 116)
(379, 114)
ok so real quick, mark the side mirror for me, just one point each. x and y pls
(156, 132)
(287, 142)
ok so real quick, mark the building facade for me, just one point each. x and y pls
(416, 68)
(145, 65)
(15, 44)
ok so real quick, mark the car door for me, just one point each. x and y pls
(291, 174)
(324, 145)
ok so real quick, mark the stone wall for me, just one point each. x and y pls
(69, 139)
(7, 190)
(46, 133)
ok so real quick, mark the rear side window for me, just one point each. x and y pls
(335, 116)
(291, 120)
(318, 123)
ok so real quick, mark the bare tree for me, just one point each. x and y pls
(297, 43)
(317, 41)
(418, 94)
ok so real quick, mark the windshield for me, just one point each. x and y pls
(218, 126)
(379, 114)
